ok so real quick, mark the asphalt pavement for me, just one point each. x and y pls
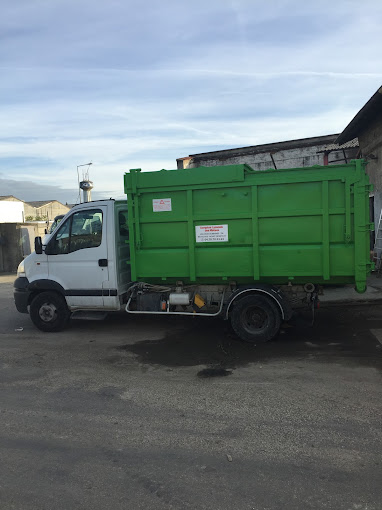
(176, 413)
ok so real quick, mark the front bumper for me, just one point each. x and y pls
(21, 294)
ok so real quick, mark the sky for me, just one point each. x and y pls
(130, 84)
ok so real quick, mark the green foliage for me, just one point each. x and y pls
(36, 218)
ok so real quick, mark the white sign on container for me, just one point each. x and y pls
(211, 233)
(162, 204)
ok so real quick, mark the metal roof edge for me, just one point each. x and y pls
(288, 144)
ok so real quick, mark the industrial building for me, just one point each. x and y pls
(367, 127)
(318, 150)
(46, 209)
(361, 138)
(20, 223)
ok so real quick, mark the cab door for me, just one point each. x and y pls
(78, 257)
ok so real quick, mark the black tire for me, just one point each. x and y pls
(49, 311)
(255, 319)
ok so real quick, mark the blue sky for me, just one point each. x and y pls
(129, 84)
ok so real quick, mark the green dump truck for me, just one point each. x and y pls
(221, 241)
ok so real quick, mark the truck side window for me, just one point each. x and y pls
(82, 230)
(122, 221)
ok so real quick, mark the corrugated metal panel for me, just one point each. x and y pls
(337, 147)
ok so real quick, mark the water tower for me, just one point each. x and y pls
(87, 187)
(86, 184)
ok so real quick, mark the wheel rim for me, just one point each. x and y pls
(47, 312)
(254, 319)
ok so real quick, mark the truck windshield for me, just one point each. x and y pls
(56, 221)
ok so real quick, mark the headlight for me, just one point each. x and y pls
(21, 270)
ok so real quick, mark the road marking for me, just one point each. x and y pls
(378, 334)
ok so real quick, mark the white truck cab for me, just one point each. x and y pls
(82, 265)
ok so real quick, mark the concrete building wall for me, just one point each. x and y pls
(29, 210)
(51, 210)
(39, 228)
(48, 211)
(283, 159)
(370, 141)
(262, 160)
(16, 242)
(11, 211)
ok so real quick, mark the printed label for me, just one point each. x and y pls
(211, 233)
(162, 204)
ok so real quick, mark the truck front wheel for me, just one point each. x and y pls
(49, 311)
(255, 319)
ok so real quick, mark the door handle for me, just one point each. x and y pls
(102, 262)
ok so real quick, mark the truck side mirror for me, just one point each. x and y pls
(38, 245)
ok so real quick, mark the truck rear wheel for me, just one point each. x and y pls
(255, 319)
(49, 311)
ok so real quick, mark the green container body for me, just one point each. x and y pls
(215, 225)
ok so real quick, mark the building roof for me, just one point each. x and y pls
(366, 114)
(40, 203)
(352, 144)
(268, 147)
(6, 197)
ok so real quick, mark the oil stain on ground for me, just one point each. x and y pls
(339, 335)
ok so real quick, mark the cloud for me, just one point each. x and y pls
(113, 156)
(31, 191)
(126, 86)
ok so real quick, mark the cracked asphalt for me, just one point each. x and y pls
(175, 413)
